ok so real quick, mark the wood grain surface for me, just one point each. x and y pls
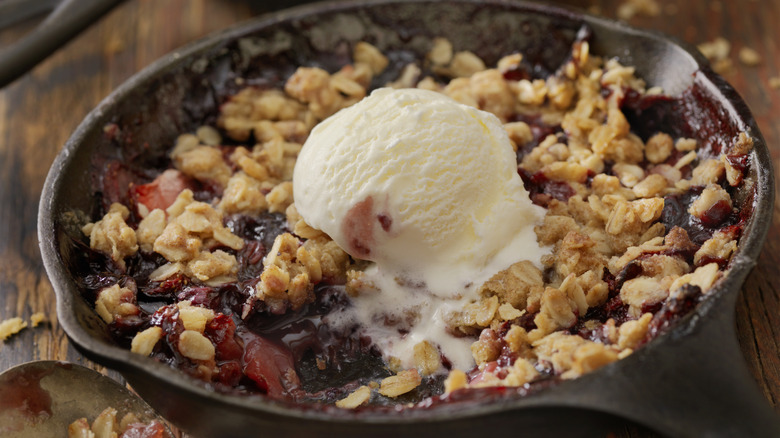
(40, 110)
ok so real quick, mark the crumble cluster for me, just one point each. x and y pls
(603, 186)
(107, 425)
(11, 326)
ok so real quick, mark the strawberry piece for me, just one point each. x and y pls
(161, 192)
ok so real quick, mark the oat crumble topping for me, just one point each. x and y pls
(613, 260)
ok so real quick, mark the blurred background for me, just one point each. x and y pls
(39, 111)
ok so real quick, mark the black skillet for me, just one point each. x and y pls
(690, 381)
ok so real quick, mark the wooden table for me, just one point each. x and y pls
(39, 111)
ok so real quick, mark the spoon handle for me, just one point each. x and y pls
(16, 11)
(65, 22)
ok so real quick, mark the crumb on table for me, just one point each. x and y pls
(749, 57)
(11, 326)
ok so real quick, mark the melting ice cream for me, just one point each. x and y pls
(427, 189)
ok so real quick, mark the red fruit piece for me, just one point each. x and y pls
(161, 192)
(481, 374)
(230, 373)
(170, 286)
(137, 430)
(221, 331)
(716, 214)
(270, 366)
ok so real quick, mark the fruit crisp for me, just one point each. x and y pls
(206, 265)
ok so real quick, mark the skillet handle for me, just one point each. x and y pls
(697, 384)
(65, 22)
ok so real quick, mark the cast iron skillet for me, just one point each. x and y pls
(691, 381)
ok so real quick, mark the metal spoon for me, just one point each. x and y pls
(42, 398)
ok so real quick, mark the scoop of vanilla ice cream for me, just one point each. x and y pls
(418, 183)
(428, 189)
